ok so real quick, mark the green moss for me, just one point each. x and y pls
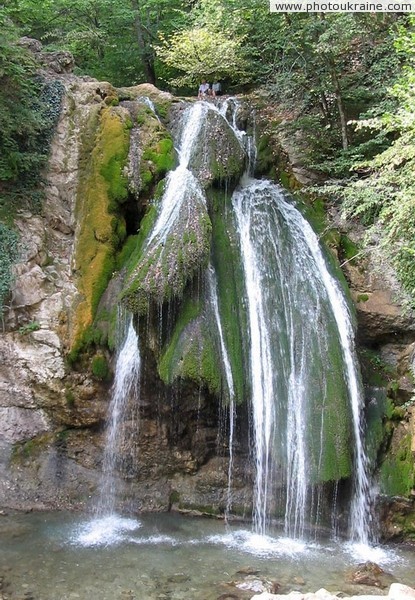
(163, 271)
(264, 158)
(377, 430)
(166, 367)
(375, 371)
(288, 180)
(329, 435)
(162, 156)
(174, 497)
(397, 473)
(30, 449)
(102, 188)
(348, 248)
(103, 331)
(228, 169)
(29, 327)
(230, 288)
(200, 362)
(362, 298)
(158, 154)
(99, 367)
(69, 397)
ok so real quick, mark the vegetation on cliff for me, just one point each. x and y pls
(102, 189)
(340, 86)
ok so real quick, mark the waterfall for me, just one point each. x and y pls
(124, 390)
(181, 183)
(300, 336)
(306, 398)
(213, 294)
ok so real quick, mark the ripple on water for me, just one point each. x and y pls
(104, 531)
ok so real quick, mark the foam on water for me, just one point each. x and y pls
(105, 531)
(262, 545)
(154, 540)
(376, 554)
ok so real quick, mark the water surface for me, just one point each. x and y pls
(61, 556)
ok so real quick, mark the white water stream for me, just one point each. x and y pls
(281, 376)
(124, 390)
(291, 296)
(181, 183)
(213, 294)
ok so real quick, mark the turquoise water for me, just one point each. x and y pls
(61, 556)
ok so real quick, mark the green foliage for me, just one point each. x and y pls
(381, 191)
(99, 367)
(201, 53)
(29, 327)
(29, 109)
(8, 256)
(110, 39)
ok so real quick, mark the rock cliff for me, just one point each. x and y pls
(84, 254)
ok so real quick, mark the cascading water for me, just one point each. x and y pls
(305, 388)
(213, 294)
(301, 355)
(107, 527)
(181, 183)
(125, 390)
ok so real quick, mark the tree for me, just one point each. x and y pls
(200, 53)
(110, 39)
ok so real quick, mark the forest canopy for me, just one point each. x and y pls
(349, 78)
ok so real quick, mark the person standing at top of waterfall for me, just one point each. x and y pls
(216, 88)
(204, 89)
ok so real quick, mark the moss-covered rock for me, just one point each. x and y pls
(99, 367)
(101, 229)
(176, 250)
(161, 100)
(397, 472)
(230, 288)
(217, 154)
(191, 353)
(155, 146)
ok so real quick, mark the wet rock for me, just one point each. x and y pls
(397, 518)
(248, 571)
(178, 578)
(253, 585)
(217, 154)
(297, 581)
(369, 574)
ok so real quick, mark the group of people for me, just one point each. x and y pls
(205, 89)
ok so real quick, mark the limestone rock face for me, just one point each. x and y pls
(52, 414)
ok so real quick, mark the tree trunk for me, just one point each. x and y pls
(324, 107)
(340, 106)
(146, 53)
